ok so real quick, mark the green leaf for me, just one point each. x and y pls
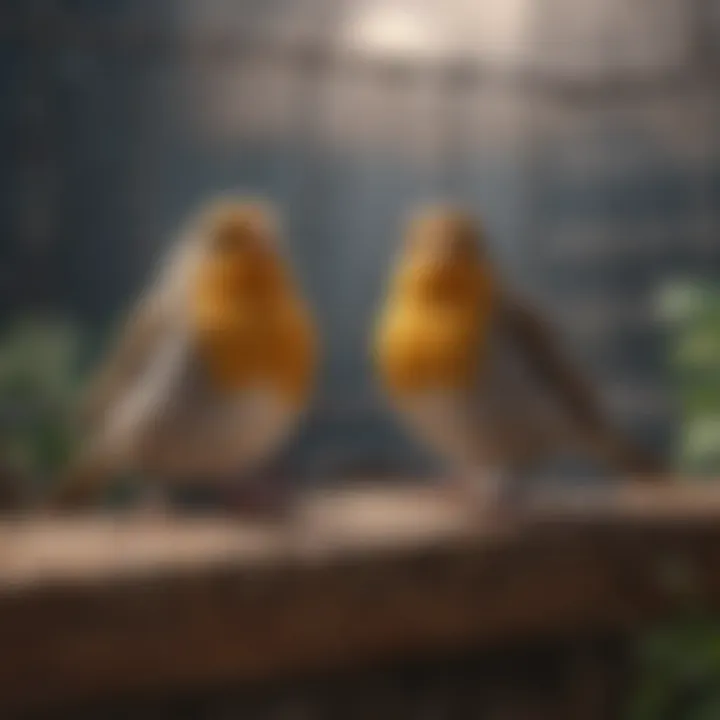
(681, 300)
(39, 384)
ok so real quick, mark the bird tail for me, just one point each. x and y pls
(630, 458)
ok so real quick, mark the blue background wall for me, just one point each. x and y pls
(590, 142)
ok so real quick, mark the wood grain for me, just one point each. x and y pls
(99, 607)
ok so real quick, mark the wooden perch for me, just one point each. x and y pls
(96, 608)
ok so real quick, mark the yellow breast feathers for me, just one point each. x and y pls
(432, 333)
(251, 324)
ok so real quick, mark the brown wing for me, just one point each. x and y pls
(125, 360)
(533, 337)
(81, 484)
(145, 325)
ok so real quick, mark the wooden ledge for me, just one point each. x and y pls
(96, 607)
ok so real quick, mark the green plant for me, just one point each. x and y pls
(680, 661)
(692, 311)
(680, 671)
(39, 382)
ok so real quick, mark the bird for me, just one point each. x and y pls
(477, 374)
(213, 369)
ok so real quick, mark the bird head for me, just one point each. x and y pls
(241, 257)
(443, 256)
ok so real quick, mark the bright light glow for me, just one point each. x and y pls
(389, 30)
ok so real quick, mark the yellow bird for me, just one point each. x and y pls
(476, 374)
(214, 368)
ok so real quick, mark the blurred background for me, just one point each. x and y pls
(586, 133)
